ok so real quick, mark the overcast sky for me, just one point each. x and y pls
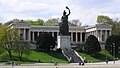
(84, 10)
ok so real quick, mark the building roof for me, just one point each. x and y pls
(98, 25)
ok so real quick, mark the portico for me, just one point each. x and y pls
(101, 31)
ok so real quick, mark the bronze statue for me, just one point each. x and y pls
(64, 28)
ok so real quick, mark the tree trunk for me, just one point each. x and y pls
(20, 56)
(10, 54)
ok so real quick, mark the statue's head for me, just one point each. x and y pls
(64, 13)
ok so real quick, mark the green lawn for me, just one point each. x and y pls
(46, 57)
(99, 57)
(43, 57)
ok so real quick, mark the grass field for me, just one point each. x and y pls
(46, 57)
(99, 57)
(43, 57)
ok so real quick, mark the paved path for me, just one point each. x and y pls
(72, 65)
(66, 66)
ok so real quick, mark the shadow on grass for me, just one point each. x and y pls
(57, 55)
(102, 57)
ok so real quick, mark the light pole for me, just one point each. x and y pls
(113, 51)
(51, 53)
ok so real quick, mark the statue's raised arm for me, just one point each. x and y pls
(68, 10)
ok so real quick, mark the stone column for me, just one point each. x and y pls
(99, 32)
(71, 36)
(81, 37)
(76, 38)
(109, 32)
(53, 34)
(85, 37)
(24, 34)
(33, 36)
(57, 35)
(106, 34)
(92, 32)
(29, 38)
(88, 34)
(100, 35)
(96, 34)
(37, 34)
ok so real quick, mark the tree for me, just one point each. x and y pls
(23, 47)
(1, 36)
(45, 41)
(40, 22)
(92, 45)
(13, 21)
(75, 22)
(0, 24)
(116, 28)
(51, 22)
(106, 20)
(31, 21)
(111, 42)
(11, 40)
(8, 37)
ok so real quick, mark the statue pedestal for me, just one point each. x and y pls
(64, 42)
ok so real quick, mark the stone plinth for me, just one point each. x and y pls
(64, 42)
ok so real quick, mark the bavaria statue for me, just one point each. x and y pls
(64, 28)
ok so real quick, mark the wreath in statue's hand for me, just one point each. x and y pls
(67, 7)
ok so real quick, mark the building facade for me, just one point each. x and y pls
(78, 34)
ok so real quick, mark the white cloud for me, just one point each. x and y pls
(84, 10)
(87, 12)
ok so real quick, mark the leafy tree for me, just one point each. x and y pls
(11, 40)
(8, 37)
(106, 20)
(0, 24)
(75, 22)
(45, 41)
(116, 28)
(23, 47)
(1, 36)
(13, 21)
(39, 22)
(51, 22)
(31, 21)
(92, 45)
(111, 42)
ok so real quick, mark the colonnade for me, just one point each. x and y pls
(76, 37)
(30, 35)
(100, 34)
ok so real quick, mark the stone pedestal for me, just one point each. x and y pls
(64, 42)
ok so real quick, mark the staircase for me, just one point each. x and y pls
(72, 56)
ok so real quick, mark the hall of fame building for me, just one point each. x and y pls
(78, 34)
